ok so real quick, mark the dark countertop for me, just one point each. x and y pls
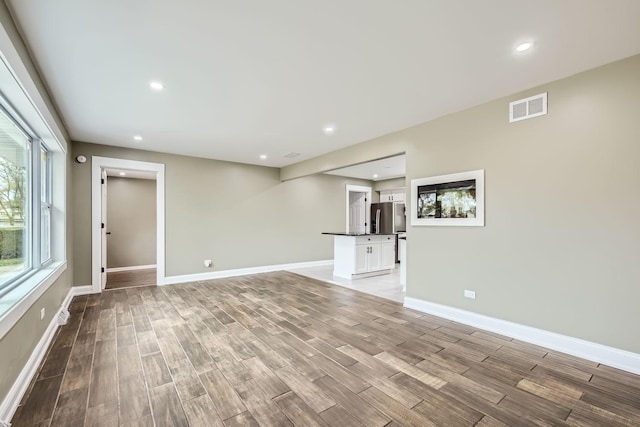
(342, 233)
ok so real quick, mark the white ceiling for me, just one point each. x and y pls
(377, 170)
(244, 78)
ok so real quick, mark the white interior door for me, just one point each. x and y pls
(356, 207)
(357, 212)
(103, 191)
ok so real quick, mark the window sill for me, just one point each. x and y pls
(16, 303)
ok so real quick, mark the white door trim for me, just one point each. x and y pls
(358, 189)
(99, 163)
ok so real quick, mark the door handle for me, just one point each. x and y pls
(108, 232)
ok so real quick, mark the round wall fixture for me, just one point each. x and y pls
(81, 159)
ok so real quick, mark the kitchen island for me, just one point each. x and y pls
(363, 255)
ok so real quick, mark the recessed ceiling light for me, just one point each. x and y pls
(375, 175)
(156, 85)
(137, 138)
(329, 129)
(122, 174)
(263, 156)
(524, 46)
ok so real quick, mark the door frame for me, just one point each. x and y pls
(97, 165)
(104, 196)
(358, 189)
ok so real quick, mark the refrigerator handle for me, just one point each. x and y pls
(378, 221)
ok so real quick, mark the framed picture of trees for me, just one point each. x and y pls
(449, 200)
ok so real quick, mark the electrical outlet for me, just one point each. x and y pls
(470, 294)
(42, 312)
(207, 263)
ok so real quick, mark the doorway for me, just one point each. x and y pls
(358, 202)
(130, 225)
(99, 215)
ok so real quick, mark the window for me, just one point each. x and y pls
(33, 162)
(14, 201)
(45, 206)
(25, 220)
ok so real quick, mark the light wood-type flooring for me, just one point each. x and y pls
(130, 278)
(279, 349)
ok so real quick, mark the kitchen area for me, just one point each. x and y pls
(375, 250)
(370, 253)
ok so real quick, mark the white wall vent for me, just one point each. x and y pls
(291, 155)
(527, 108)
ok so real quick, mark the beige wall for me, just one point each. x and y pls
(379, 148)
(389, 184)
(561, 244)
(234, 214)
(131, 220)
(560, 247)
(18, 344)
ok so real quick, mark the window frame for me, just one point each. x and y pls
(32, 223)
(47, 202)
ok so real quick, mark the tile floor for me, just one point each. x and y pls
(281, 349)
(385, 286)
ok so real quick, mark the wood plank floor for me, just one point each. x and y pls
(130, 278)
(279, 349)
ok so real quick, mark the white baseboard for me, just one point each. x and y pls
(606, 355)
(18, 389)
(131, 268)
(172, 280)
(82, 290)
(356, 276)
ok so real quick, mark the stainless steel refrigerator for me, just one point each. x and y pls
(387, 218)
(399, 218)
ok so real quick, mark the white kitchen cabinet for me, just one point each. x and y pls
(363, 256)
(386, 196)
(392, 196)
(374, 258)
(388, 255)
(367, 254)
(362, 259)
(397, 196)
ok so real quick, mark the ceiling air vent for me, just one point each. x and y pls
(291, 155)
(528, 108)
